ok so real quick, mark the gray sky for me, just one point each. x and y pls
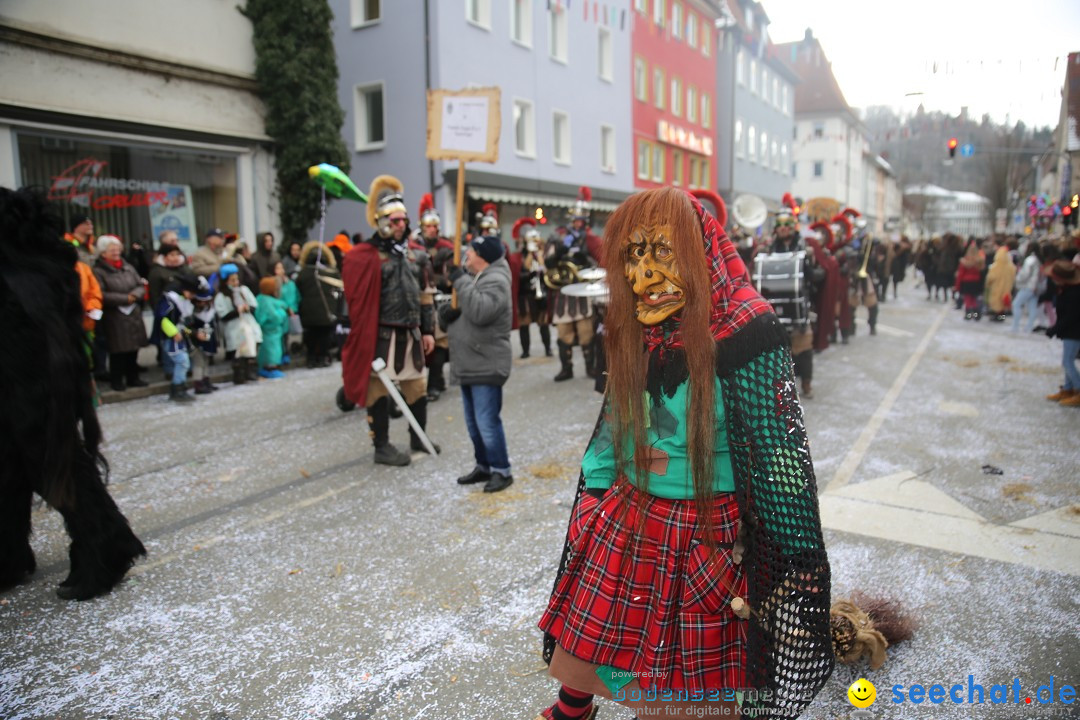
(1007, 59)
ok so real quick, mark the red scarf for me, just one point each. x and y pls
(118, 264)
(734, 301)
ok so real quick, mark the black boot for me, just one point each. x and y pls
(202, 387)
(476, 476)
(379, 422)
(498, 482)
(178, 393)
(252, 369)
(419, 411)
(523, 335)
(566, 358)
(873, 320)
(590, 358)
(239, 372)
(545, 338)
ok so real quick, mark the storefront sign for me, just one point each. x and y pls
(176, 213)
(687, 139)
(82, 184)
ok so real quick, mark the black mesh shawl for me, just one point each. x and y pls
(789, 654)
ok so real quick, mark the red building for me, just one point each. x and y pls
(673, 51)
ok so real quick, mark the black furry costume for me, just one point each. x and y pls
(49, 432)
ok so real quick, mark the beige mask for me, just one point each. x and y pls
(653, 275)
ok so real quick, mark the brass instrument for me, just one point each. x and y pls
(536, 268)
(863, 274)
(565, 273)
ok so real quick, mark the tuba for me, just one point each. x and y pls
(750, 212)
(565, 273)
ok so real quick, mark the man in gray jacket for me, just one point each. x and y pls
(480, 356)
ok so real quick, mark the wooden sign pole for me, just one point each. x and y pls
(459, 212)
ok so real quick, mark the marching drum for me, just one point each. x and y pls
(597, 290)
(781, 279)
(592, 274)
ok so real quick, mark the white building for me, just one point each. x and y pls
(139, 113)
(933, 210)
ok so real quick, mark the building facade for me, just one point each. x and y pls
(758, 92)
(563, 71)
(933, 210)
(139, 134)
(674, 93)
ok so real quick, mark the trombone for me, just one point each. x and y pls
(863, 274)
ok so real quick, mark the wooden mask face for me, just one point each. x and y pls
(653, 274)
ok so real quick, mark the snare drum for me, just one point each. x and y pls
(781, 279)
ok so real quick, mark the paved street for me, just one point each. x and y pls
(288, 577)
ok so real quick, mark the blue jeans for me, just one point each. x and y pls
(1026, 301)
(483, 403)
(175, 361)
(1068, 361)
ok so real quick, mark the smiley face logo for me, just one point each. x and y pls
(862, 693)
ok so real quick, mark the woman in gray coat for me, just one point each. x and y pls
(122, 324)
(480, 356)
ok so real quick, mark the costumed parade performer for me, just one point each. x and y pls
(532, 295)
(830, 290)
(863, 290)
(51, 433)
(392, 318)
(572, 317)
(441, 252)
(694, 563)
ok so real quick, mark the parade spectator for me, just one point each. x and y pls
(946, 264)
(207, 260)
(479, 332)
(319, 284)
(265, 256)
(999, 284)
(204, 343)
(138, 255)
(172, 329)
(290, 295)
(169, 266)
(291, 261)
(272, 315)
(340, 245)
(1066, 276)
(235, 306)
(1048, 290)
(969, 281)
(901, 259)
(122, 325)
(1026, 301)
(238, 253)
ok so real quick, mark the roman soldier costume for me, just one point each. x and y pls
(532, 295)
(440, 251)
(862, 290)
(572, 316)
(391, 315)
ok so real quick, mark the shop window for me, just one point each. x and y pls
(369, 117)
(131, 190)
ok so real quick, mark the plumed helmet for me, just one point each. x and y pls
(580, 210)
(525, 232)
(786, 214)
(843, 228)
(428, 214)
(386, 197)
(489, 219)
(854, 217)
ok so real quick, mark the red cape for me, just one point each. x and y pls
(827, 296)
(361, 271)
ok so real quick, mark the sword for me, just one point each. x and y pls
(378, 366)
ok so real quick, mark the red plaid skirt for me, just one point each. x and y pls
(654, 606)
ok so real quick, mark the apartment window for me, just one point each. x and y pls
(676, 20)
(699, 172)
(369, 117)
(691, 104)
(642, 6)
(793, 168)
(819, 168)
(524, 129)
(521, 22)
(691, 29)
(706, 111)
(658, 88)
(738, 138)
(753, 76)
(676, 97)
(693, 172)
(739, 67)
(658, 163)
(776, 92)
(775, 151)
(706, 38)
(794, 132)
(641, 80)
(784, 158)
(644, 158)
(607, 148)
(560, 131)
(365, 12)
(751, 143)
(676, 167)
(819, 130)
(765, 84)
(764, 148)
(557, 35)
(478, 12)
(783, 99)
(659, 12)
(604, 61)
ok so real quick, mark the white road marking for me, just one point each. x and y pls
(902, 509)
(851, 461)
(893, 331)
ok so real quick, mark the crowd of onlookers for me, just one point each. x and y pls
(1032, 280)
(253, 308)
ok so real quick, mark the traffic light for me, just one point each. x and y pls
(1068, 217)
(952, 147)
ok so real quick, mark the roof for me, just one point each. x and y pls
(818, 92)
(769, 54)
